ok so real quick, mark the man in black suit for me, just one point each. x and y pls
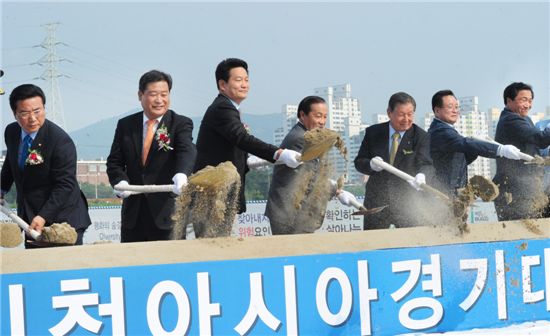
(451, 152)
(41, 160)
(153, 146)
(222, 135)
(405, 146)
(521, 194)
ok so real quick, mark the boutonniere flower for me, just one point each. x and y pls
(163, 138)
(247, 128)
(34, 158)
(407, 152)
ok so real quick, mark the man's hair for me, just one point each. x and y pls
(512, 90)
(400, 98)
(437, 99)
(305, 104)
(23, 92)
(224, 68)
(154, 76)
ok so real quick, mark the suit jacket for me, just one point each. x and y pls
(384, 188)
(523, 182)
(48, 189)
(452, 153)
(124, 163)
(281, 208)
(222, 137)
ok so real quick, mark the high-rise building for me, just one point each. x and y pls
(344, 116)
(494, 115)
(290, 117)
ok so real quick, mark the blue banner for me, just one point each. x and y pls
(378, 292)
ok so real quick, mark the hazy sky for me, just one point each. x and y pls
(291, 48)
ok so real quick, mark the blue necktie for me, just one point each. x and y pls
(27, 141)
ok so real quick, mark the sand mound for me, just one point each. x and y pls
(10, 235)
(319, 141)
(209, 202)
(59, 233)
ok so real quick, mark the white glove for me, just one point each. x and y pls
(254, 162)
(374, 166)
(346, 198)
(180, 181)
(418, 181)
(290, 158)
(509, 152)
(122, 194)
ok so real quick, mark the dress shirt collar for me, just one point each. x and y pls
(145, 118)
(24, 134)
(393, 131)
(232, 101)
(453, 126)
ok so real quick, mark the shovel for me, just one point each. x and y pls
(19, 221)
(309, 153)
(523, 156)
(401, 174)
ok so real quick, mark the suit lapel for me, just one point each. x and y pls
(136, 129)
(13, 153)
(385, 138)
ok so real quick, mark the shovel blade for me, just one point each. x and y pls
(371, 211)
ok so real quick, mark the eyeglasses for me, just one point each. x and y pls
(27, 114)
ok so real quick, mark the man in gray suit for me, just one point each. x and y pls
(298, 197)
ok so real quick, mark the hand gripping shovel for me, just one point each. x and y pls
(19, 221)
(401, 174)
(526, 157)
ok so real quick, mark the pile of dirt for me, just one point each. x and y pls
(59, 233)
(10, 235)
(312, 187)
(318, 141)
(478, 186)
(209, 202)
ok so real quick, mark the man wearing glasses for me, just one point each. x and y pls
(41, 160)
(451, 152)
(521, 185)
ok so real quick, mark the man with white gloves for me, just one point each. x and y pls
(151, 147)
(298, 197)
(223, 136)
(451, 152)
(405, 146)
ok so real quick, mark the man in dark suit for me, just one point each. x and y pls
(223, 137)
(521, 194)
(284, 215)
(151, 147)
(41, 160)
(451, 152)
(405, 146)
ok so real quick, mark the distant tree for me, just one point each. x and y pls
(257, 184)
(11, 197)
(355, 189)
(102, 190)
